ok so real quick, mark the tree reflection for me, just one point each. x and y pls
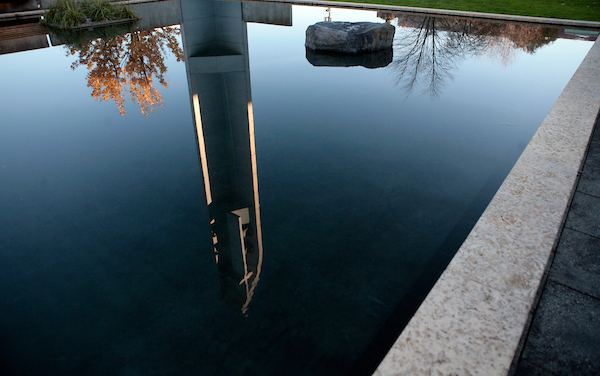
(128, 62)
(428, 48)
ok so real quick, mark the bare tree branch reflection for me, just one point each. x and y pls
(128, 62)
(428, 53)
(427, 49)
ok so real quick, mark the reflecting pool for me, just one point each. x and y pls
(203, 195)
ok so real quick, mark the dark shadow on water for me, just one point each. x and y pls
(385, 338)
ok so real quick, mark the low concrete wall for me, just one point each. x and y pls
(268, 13)
(23, 44)
(19, 6)
(157, 14)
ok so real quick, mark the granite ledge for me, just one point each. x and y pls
(471, 321)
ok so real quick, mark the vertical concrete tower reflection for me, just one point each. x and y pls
(216, 52)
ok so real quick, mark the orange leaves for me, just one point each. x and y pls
(129, 62)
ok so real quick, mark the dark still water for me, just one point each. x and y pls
(214, 199)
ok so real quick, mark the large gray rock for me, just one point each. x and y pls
(349, 37)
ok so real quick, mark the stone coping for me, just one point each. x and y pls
(472, 320)
(341, 4)
(440, 12)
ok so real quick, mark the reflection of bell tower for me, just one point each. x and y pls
(216, 54)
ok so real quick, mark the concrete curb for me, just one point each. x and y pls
(394, 8)
(441, 12)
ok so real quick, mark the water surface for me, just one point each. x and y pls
(264, 216)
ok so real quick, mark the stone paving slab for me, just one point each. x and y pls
(577, 263)
(564, 333)
(593, 157)
(589, 182)
(584, 214)
(528, 369)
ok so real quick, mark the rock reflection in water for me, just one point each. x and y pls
(428, 49)
(377, 59)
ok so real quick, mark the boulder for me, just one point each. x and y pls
(349, 37)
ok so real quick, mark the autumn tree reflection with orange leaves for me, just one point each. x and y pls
(128, 62)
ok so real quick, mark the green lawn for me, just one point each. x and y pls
(586, 10)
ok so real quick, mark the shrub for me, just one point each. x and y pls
(71, 13)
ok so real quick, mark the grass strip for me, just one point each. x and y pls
(584, 10)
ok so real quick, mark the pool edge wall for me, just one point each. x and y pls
(472, 320)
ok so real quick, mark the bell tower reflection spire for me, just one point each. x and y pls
(216, 48)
